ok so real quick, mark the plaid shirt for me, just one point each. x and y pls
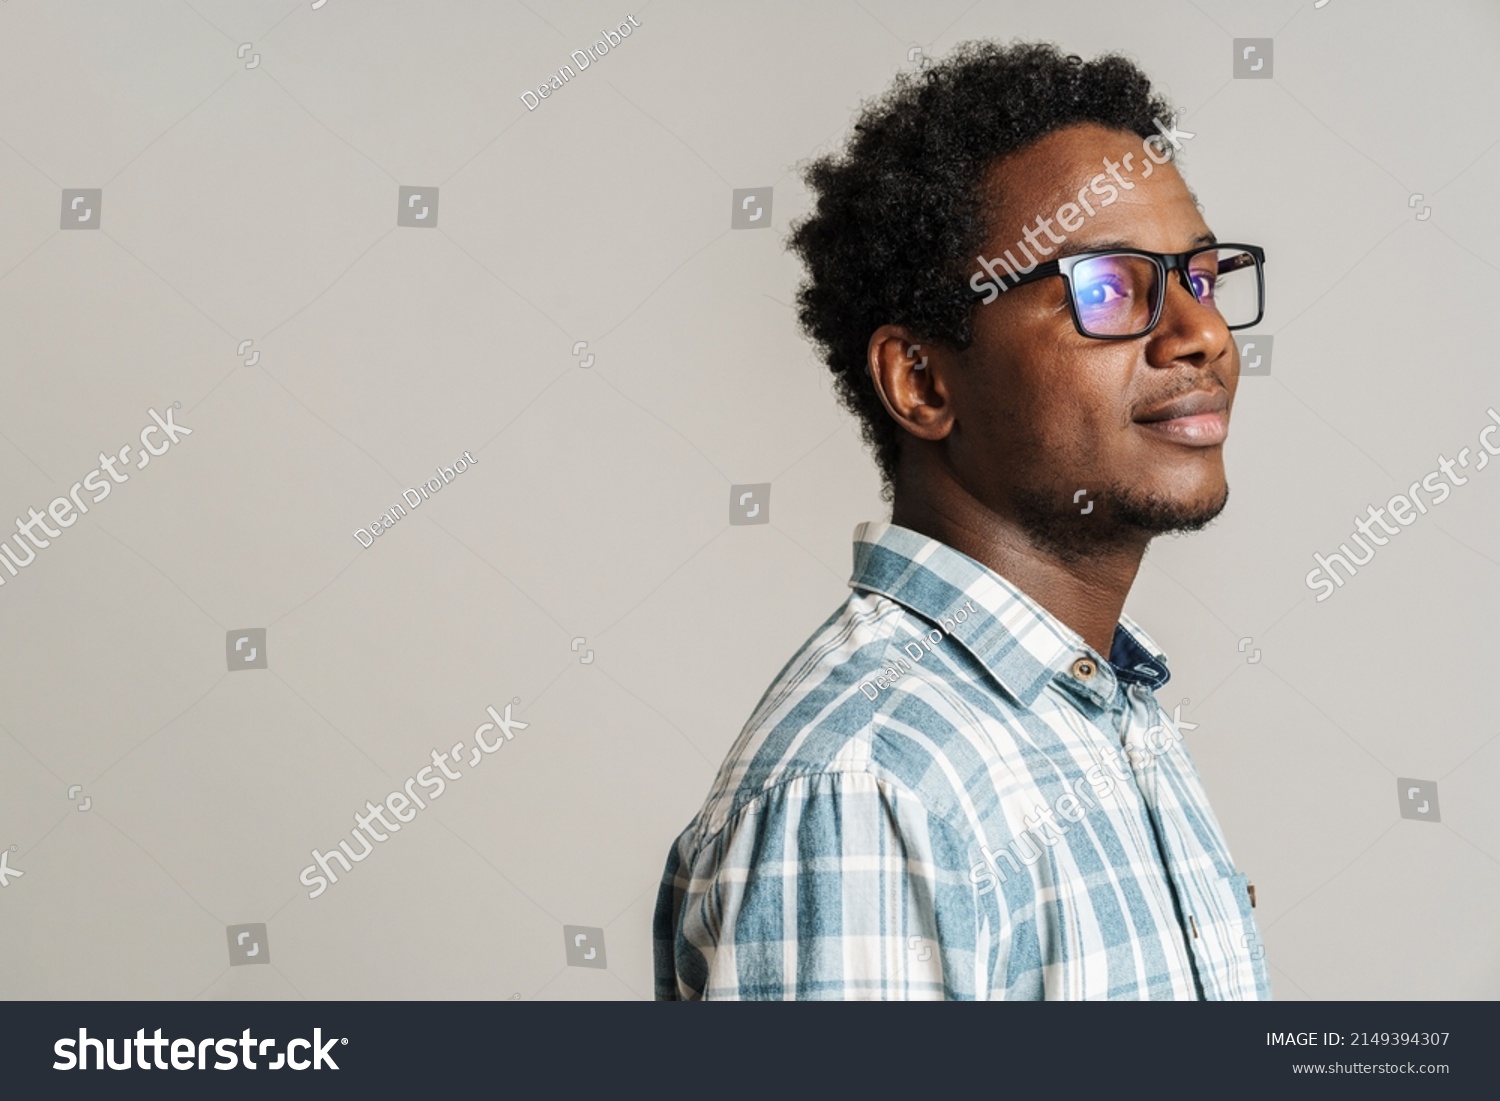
(931, 801)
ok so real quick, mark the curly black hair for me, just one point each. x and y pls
(900, 214)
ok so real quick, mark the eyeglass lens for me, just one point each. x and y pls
(1116, 294)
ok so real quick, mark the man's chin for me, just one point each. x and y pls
(1152, 515)
(1125, 516)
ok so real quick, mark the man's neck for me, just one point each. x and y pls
(1087, 594)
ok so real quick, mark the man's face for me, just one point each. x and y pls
(1043, 412)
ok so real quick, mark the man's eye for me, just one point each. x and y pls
(1101, 293)
(1203, 286)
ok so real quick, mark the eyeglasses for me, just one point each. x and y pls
(1117, 295)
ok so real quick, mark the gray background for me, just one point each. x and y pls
(259, 204)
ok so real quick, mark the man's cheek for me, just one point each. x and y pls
(1088, 433)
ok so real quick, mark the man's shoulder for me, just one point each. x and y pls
(877, 692)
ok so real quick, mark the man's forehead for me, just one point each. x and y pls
(1072, 151)
(1040, 179)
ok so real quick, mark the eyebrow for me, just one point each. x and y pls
(1073, 249)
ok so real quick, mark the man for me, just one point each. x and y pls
(963, 785)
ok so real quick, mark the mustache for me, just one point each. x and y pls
(1204, 383)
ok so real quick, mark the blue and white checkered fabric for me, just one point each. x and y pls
(947, 794)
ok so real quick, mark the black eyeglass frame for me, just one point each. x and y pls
(1165, 262)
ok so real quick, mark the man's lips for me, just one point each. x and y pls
(1197, 419)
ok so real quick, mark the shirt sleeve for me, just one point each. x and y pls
(833, 886)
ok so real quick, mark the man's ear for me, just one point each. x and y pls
(912, 380)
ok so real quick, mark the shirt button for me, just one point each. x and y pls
(1084, 669)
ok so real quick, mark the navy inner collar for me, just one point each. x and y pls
(1133, 663)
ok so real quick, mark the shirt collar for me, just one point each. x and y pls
(1023, 646)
